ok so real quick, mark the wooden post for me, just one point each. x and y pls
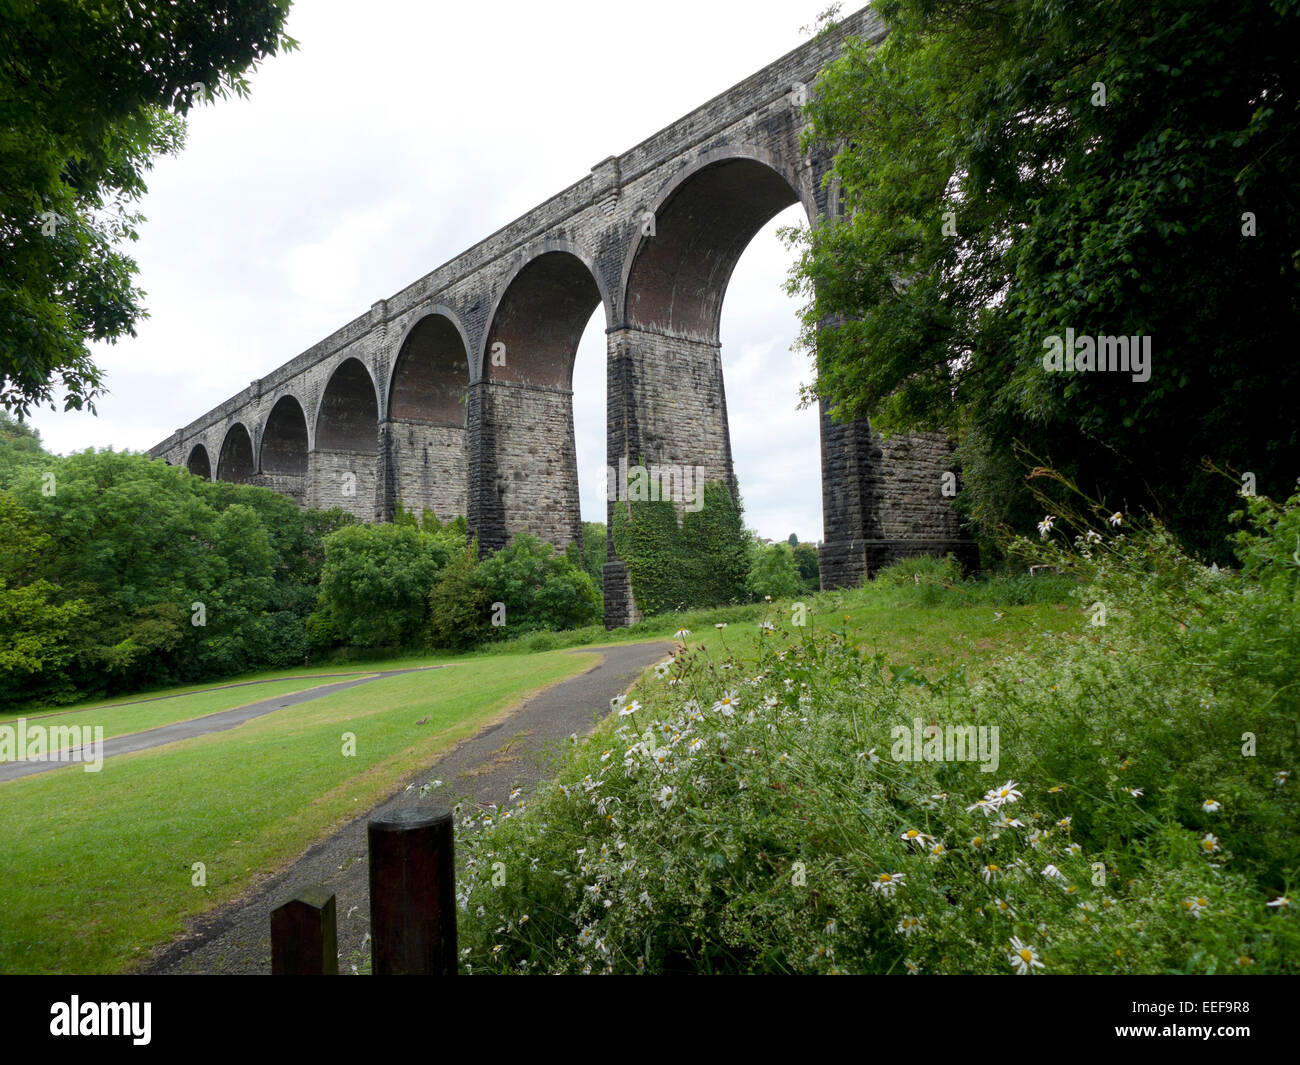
(304, 939)
(413, 893)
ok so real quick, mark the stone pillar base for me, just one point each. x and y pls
(847, 563)
(620, 606)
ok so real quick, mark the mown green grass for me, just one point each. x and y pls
(96, 868)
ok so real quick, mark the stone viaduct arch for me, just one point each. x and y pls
(198, 462)
(406, 403)
(236, 463)
(285, 449)
(525, 457)
(342, 468)
(423, 438)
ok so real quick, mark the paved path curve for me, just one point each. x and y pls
(215, 688)
(201, 726)
(484, 768)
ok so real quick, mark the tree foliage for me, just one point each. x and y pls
(374, 589)
(118, 572)
(538, 586)
(90, 95)
(773, 572)
(1009, 171)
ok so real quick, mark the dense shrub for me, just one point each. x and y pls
(538, 587)
(168, 578)
(458, 607)
(773, 572)
(374, 589)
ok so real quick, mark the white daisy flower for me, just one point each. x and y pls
(1194, 906)
(1279, 903)
(630, 709)
(909, 926)
(681, 634)
(667, 796)
(1210, 843)
(1045, 526)
(726, 706)
(1023, 957)
(1211, 806)
(1007, 793)
(1116, 518)
(887, 883)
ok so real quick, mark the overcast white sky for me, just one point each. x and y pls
(399, 134)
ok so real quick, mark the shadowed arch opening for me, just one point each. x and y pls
(668, 404)
(424, 439)
(431, 375)
(236, 463)
(679, 276)
(349, 414)
(284, 444)
(528, 468)
(198, 463)
(539, 321)
(343, 465)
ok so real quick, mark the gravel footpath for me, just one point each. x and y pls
(513, 752)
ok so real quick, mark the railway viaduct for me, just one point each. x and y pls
(455, 394)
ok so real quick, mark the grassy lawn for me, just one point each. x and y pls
(96, 868)
(929, 639)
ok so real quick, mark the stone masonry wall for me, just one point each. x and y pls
(293, 485)
(430, 468)
(344, 479)
(535, 461)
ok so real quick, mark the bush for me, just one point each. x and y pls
(773, 572)
(539, 587)
(458, 607)
(374, 589)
